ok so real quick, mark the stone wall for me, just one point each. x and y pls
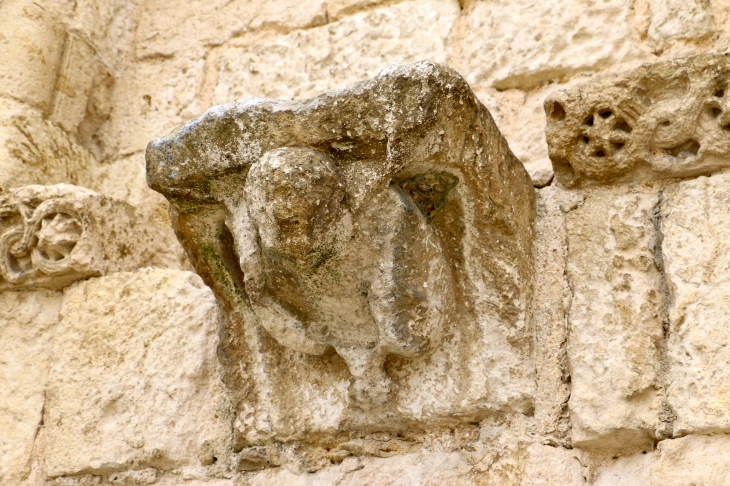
(110, 346)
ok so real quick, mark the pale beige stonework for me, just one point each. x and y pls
(696, 256)
(28, 321)
(614, 318)
(135, 380)
(306, 63)
(697, 459)
(616, 374)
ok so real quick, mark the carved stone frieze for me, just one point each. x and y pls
(386, 228)
(51, 236)
(669, 119)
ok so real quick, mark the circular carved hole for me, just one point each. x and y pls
(716, 112)
(618, 145)
(600, 153)
(557, 112)
(605, 113)
(623, 126)
(720, 93)
(589, 121)
(666, 123)
(586, 139)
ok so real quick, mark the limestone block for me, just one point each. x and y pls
(442, 468)
(125, 179)
(633, 470)
(51, 236)
(27, 323)
(82, 90)
(150, 97)
(109, 26)
(694, 459)
(673, 20)
(31, 45)
(36, 151)
(337, 9)
(167, 28)
(615, 320)
(669, 119)
(373, 248)
(691, 460)
(308, 62)
(523, 44)
(696, 253)
(521, 119)
(526, 465)
(551, 333)
(135, 380)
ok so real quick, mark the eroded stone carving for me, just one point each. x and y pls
(389, 223)
(670, 119)
(51, 236)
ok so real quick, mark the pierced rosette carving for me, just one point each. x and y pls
(51, 236)
(670, 119)
(40, 241)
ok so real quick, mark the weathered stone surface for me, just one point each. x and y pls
(152, 96)
(34, 150)
(135, 381)
(551, 332)
(383, 238)
(31, 46)
(51, 236)
(696, 253)
(692, 460)
(615, 319)
(633, 470)
(669, 119)
(673, 20)
(523, 44)
(81, 100)
(305, 63)
(168, 29)
(27, 323)
(524, 465)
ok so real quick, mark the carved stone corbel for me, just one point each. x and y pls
(386, 223)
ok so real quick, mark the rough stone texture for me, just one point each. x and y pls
(37, 151)
(696, 254)
(135, 382)
(167, 29)
(524, 465)
(551, 332)
(27, 323)
(669, 119)
(505, 43)
(51, 236)
(673, 20)
(84, 85)
(615, 319)
(152, 96)
(418, 229)
(698, 460)
(31, 46)
(309, 62)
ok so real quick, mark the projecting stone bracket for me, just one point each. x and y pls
(386, 223)
(669, 119)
